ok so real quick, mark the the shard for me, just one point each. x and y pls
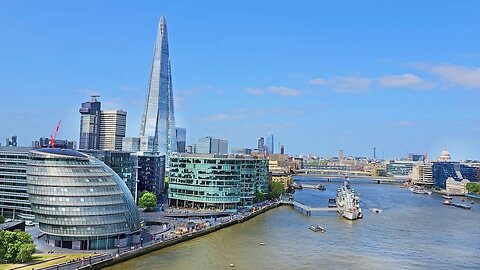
(158, 121)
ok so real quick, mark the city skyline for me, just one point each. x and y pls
(406, 84)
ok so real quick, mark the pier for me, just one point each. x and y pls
(307, 210)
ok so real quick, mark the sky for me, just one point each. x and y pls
(401, 76)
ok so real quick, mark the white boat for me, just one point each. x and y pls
(348, 203)
(446, 197)
(317, 228)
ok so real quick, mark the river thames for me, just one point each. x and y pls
(413, 232)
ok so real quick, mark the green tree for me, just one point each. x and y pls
(260, 197)
(275, 189)
(148, 201)
(473, 187)
(16, 246)
(2, 219)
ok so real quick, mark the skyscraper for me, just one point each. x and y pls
(270, 145)
(261, 144)
(90, 124)
(181, 136)
(112, 129)
(158, 119)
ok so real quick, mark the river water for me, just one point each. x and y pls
(413, 232)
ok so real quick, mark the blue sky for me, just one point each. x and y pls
(403, 76)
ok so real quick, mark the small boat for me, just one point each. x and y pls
(446, 197)
(376, 210)
(464, 206)
(447, 202)
(462, 200)
(317, 228)
(321, 187)
(471, 202)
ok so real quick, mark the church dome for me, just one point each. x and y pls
(444, 155)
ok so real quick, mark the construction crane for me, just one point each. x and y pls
(52, 138)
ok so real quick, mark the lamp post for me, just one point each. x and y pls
(118, 248)
(136, 182)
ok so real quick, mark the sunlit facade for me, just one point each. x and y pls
(79, 202)
(158, 119)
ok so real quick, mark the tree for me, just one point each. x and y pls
(260, 197)
(473, 187)
(275, 189)
(2, 219)
(16, 246)
(148, 201)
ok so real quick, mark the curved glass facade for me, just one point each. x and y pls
(75, 196)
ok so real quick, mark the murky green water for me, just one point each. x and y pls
(413, 232)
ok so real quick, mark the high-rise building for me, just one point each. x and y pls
(261, 144)
(151, 173)
(112, 129)
(209, 145)
(90, 124)
(270, 145)
(12, 141)
(158, 119)
(181, 135)
(131, 144)
(282, 149)
(13, 183)
(59, 143)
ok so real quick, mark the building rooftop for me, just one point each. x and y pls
(15, 149)
(60, 152)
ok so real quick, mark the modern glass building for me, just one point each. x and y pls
(444, 169)
(216, 181)
(13, 183)
(158, 119)
(270, 145)
(181, 135)
(151, 173)
(90, 124)
(79, 202)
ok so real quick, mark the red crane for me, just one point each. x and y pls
(52, 138)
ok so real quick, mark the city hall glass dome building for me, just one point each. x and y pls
(79, 202)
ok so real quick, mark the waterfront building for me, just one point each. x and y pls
(279, 174)
(12, 141)
(112, 129)
(216, 181)
(270, 145)
(158, 120)
(151, 173)
(454, 187)
(422, 174)
(442, 170)
(261, 144)
(181, 135)
(79, 202)
(131, 144)
(14, 202)
(209, 145)
(400, 167)
(59, 143)
(90, 124)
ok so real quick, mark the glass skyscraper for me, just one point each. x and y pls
(270, 145)
(90, 124)
(158, 119)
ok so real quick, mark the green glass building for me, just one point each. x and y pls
(216, 181)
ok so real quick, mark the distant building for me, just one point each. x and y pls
(131, 144)
(12, 141)
(261, 144)
(282, 150)
(209, 145)
(13, 183)
(59, 143)
(112, 129)
(79, 202)
(216, 181)
(146, 143)
(279, 174)
(422, 174)
(270, 145)
(242, 151)
(454, 187)
(90, 124)
(443, 170)
(400, 167)
(416, 157)
(181, 135)
(191, 149)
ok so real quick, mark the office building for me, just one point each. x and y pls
(151, 173)
(209, 145)
(261, 144)
(181, 135)
(269, 147)
(59, 143)
(12, 141)
(131, 144)
(422, 174)
(241, 151)
(216, 181)
(79, 202)
(442, 170)
(14, 202)
(90, 124)
(158, 120)
(400, 167)
(112, 129)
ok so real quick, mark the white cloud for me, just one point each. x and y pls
(461, 75)
(278, 90)
(344, 84)
(403, 81)
(220, 117)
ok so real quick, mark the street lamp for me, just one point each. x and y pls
(118, 248)
(141, 241)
